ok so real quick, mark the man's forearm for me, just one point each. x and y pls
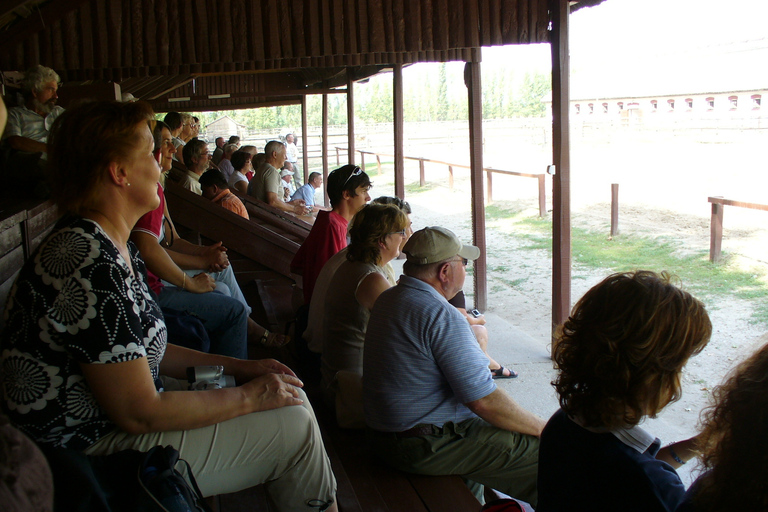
(24, 144)
(500, 410)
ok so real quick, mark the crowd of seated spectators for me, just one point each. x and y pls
(86, 317)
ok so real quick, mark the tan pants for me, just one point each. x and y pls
(282, 448)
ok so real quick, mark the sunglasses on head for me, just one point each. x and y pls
(355, 172)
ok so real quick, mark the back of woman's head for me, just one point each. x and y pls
(733, 445)
(370, 226)
(621, 351)
(82, 143)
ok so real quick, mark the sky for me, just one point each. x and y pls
(667, 46)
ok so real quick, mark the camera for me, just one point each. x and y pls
(475, 313)
(208, 377)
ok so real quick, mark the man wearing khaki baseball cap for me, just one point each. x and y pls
(429, 398)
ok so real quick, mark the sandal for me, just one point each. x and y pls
(498, 373)
(273, 339)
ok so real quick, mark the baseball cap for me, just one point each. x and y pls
(434, 243)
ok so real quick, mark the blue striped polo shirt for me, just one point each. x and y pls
(422, 362)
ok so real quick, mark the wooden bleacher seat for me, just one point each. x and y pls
(23, 225)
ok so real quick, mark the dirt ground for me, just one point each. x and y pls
(654, 202)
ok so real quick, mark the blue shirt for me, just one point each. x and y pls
(305, 192)
(421, 362)
(580, 469)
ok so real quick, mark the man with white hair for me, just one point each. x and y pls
(29, 125)
(266, 183)
(225, 164)
(429, 398)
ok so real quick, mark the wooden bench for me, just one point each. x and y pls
(260, 251)
(23, 225)
(366, 484)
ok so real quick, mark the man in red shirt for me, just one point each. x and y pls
(348, 191)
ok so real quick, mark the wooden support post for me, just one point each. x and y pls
(350, 119)
(324, 138)
(304, 138)
(362, 160)
(338, 161)
(489, 188)
(614, 209)
(716, 233)
(422, 179)
(450, 177)
(378, 163)
(475, 109)
(542, 197)
(399, 129)
(561, 183)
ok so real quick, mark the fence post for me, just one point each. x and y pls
(450, 177)
(337, 157)
(614, 209)
(716, 233)
(489, 192)
(362, 160)
(542, 197)
(422, 181)
(378, 162)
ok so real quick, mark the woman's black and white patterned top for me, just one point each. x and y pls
(75, 301)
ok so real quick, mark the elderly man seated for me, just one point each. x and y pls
(429, 398)
(225, 163)
(29, 124)
(266, 183)
(286, 176)
(27, 132)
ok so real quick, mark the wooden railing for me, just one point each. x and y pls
(490, 171)
(716, 226)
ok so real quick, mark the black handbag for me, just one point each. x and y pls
(125, 481)
(164, 486)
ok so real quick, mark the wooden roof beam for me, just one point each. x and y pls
(8, 7)
(45, 17)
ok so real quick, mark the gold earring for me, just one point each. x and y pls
(128, 184)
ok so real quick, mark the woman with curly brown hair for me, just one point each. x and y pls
(619, 357)
(734, 453)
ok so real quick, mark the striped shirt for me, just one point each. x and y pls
(421, 362)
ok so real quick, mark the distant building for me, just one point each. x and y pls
(225, 127)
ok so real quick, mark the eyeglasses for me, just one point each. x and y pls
(401, 233)
(464, 261)
(355, 172)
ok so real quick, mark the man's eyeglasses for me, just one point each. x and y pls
(355, 172)
(401, 233)
(464, 261)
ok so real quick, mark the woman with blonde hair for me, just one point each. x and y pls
(734, 452)
(84, 345)
(619, 358)
(376, 233)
